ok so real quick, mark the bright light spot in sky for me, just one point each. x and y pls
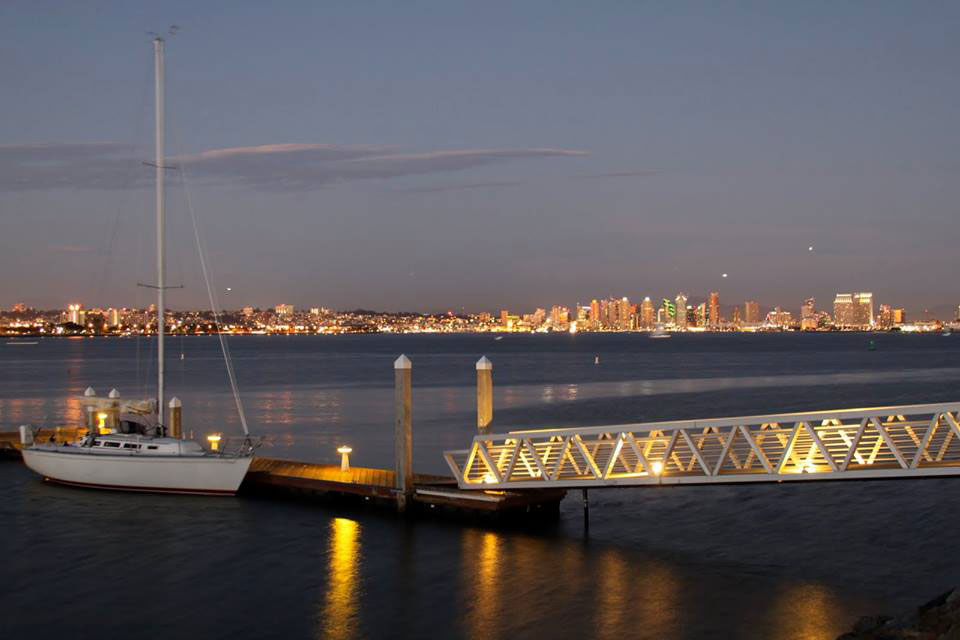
(724, 275)
(809, 248)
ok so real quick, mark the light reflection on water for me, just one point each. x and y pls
(341, 602)
(482, 564)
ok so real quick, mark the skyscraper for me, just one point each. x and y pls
(853, 310)
(680, 317)
(714, 310)
(843, 310)
(863, 309)
(623, 323)
(646, 313)
(669, 310)
(751, 312)
(75, 313)
(808, 315)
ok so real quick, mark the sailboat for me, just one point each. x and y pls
(129, 446)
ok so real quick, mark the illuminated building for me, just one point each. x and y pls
(736, 316)
(668, 310)
(843, 310)
(248, 311)
(780, 318)
(113, 317)
(646, 313)
(702, 314)
(808, 315)
(594, 315)
(283, 309)
(751, 312)
(853, 310)
(560, 318)
(76, 314)
(899, 316)
(680, 314)
(624, 315)
(714, 310)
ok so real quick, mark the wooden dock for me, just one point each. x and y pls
(377, 487)
(360, 486)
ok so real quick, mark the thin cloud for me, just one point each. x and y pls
(460, 187)
(273, 167)
(637, 173)
(91, 165)
(304, 167)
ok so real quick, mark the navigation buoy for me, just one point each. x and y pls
(596, 360)
(872, 346)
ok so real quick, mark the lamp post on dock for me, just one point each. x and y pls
(403, 430)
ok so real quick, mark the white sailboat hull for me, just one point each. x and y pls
(210, 475)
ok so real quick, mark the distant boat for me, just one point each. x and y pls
(659, 332)
(20, 343)
(499, 338)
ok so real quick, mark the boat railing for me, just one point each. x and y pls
(237, 446)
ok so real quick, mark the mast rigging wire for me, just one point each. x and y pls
(214, 307)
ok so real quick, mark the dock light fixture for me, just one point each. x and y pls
(657, 468)
(102, 423)
(214, 440)
(344, 452)
(489, 478)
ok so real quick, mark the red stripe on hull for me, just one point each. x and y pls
(116, 487)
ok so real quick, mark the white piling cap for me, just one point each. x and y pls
(89, 392)
(403, 362)
(484, 364)
(114, 394)
(175, 403)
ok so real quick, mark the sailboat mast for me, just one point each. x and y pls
(158, 50)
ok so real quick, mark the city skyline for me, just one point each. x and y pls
(945, 310)
(772, 152)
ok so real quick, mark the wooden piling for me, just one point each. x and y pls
(484, 394)
(403, 430)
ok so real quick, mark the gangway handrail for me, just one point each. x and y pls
(874, 442)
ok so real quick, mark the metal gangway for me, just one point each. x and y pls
(881, 442)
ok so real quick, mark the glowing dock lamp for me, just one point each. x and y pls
(657, 468)
(214, 440)
(344, 452)
(489, 478)
(102, 428)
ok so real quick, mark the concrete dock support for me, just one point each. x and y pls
(403, 430)
(113, 414)
(484, 394)
(91, 410)
(176, 418)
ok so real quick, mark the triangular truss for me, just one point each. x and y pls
(893, 441)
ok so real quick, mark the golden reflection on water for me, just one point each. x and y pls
(341, 604)
(656, 604)
(805, 612)
(613, 595)
(481, 567)
(517, 583)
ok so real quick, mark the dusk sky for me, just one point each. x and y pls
(429, 156)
